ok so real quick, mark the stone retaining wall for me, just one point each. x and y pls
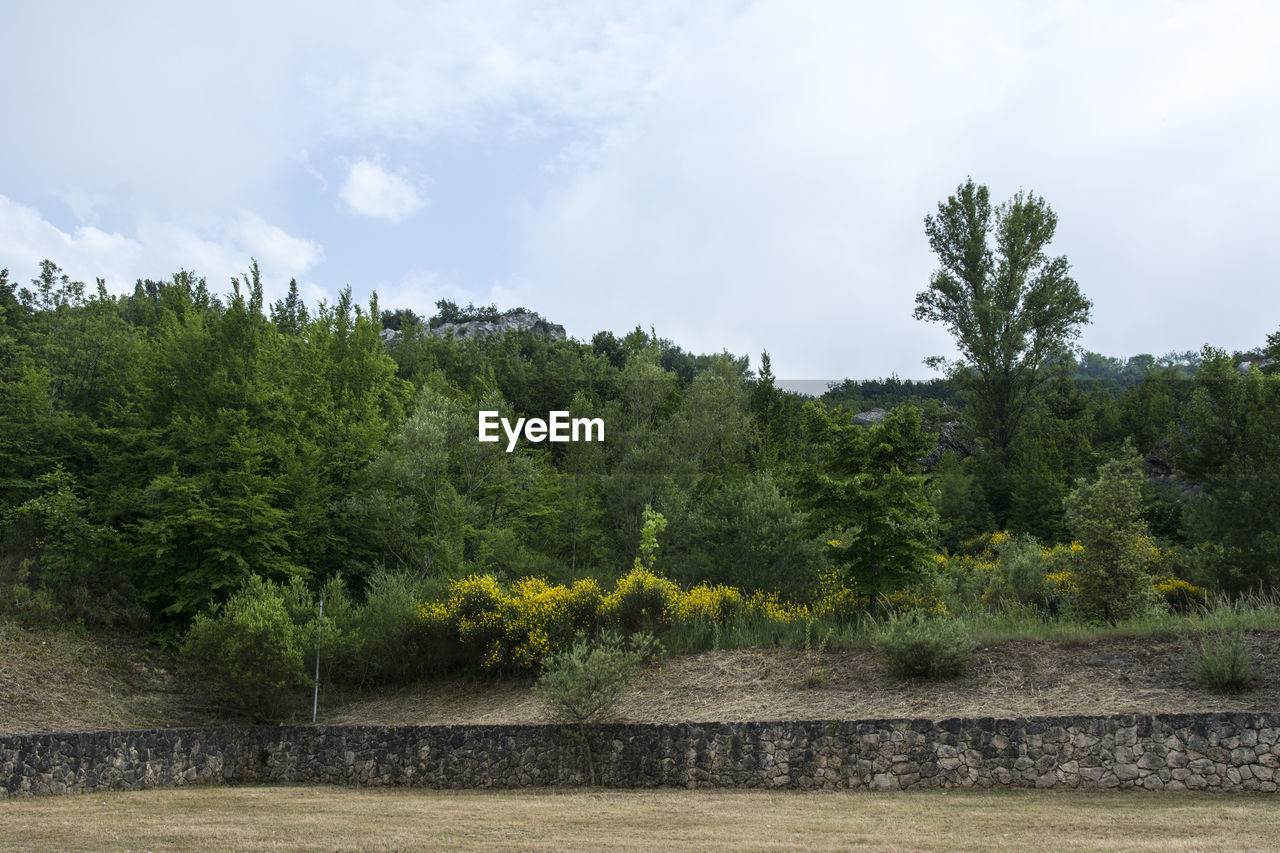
(1160, 752)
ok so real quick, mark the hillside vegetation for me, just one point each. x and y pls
(205, 469)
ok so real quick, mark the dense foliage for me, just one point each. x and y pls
(211, 465)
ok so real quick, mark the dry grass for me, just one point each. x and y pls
(317, 818)
(1116, 675)
(56, 680)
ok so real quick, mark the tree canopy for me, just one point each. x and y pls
(1012, 308)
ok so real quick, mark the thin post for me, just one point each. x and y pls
(315, 699)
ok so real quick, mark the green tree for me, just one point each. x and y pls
(1230, 447)
(865, 492)
(1273, 354)
(1106, 516)
(252, 649)
(959, 500)
(746, 534)
(1012, 309)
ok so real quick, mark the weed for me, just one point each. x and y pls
(1223, 663)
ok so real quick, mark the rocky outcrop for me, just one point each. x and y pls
(512, 320)
(949, 437)
(866, 420)
(949, 440)
(519, 319)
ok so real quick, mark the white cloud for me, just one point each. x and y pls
(273, 248)
(155, 251)
(419, 289)
(372, 191)
(770, 188)
(739, 174)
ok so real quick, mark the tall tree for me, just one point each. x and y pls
(867, 496)
(1229, 445)
(1012, 309)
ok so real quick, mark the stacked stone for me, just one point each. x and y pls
(1218, 752)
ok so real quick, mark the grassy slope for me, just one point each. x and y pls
(59, 681)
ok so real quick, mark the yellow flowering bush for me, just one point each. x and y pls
(969, 577)
(1062, 583)
(1180, 595)
(1154, 559)
(511, 629)
(719, 604)
(922, 600)
(642, 599)
(838, 599)
(475, 609)
(768, 607)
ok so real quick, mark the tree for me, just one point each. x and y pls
(1272, 353)
(868, 498)
(1229, 446)
(1106, 516)
(1011, 308)
(251, 649)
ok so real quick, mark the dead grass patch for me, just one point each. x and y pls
(1105, 676)
(320, 818)
(55, 681)
(58, 680)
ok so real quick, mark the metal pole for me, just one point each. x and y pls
(315, 699)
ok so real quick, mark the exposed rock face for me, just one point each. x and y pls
(1160, 471)
(869, 419)
(511, 320)
(948, 438)
(521, 319)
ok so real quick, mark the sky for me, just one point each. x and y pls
(741, 176)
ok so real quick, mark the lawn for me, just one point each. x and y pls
(331, 818)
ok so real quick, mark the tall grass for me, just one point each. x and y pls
(1256, 611)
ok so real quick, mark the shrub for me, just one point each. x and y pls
(251, 649)
(1106, 515)
(838, 599)
(921, 598)
(482, 623)
(1023, 566)
(642, 600)
(717, 604)
(1223, 663)
(474, 608)
(1180, 595)
(584, 684)
(385, 640)
(914, 645)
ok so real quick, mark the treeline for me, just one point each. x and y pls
(159, 450)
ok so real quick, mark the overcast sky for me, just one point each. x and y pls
(739, 175)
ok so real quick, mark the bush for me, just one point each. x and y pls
(1106, 516)
(1023, 566)
(383, 640)
(642, 600)
(1180, 595)
(251, 649)
(1223, 663)
(914, 645)
(584, 684)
